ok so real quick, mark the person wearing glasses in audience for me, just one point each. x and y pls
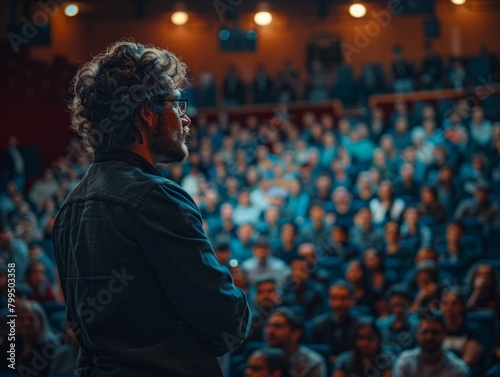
(141, 281)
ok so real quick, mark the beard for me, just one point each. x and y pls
(167, 147)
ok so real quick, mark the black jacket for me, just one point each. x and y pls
(144, 291)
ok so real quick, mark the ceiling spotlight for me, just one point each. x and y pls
(263, 17)
(71, 10)
(357, 10)
(458, 2)
(179, 18)
(180, 15)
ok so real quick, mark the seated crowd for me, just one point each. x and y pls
(366, 247)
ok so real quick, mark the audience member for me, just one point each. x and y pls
(302, 291)
(430, 359)
(366, 355)
(264, 264)
(333, 328)
(283, 330)
(268, 362)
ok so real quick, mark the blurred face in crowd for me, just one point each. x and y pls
(328, 139)
(6, 237)
(372, 259)
(29, 323)
(430, 335)
(307, 251)
(445, 175)
(239, 277)
(366, 341)
(245, 232)
(428, 112)
(452, 306)
(399, 305)
(391, 232)
(365, 218)
(288, 233)
(427, 196)
(385, 191)
(266, 296)
(340, 300)
(481, 195)
(257, 366)
(485, 276)
(272, 215)
(339, 236)
(377, 114)
(261, 252)
(400, 107)
(278, 332)
(478, 115)
(226, 211)
(344, 126)
(401, 125)
(244, 199)
(295, 187)
(317, 214)
(300, 271)
(387, 143)
(411, 216)
(424, 278)
(37, 276)
(323, 183)
(354, 273)
(379, 157)
(429, 126)
(454, 233)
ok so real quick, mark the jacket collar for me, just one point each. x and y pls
(126, 156)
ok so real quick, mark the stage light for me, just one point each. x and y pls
(71, 10)
(179, 18)
(357, 10)
(180, 15)
(458, 2)
(263, 17)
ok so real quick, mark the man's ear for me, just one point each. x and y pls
(148, 116)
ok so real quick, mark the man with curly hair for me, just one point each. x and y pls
(145, 294)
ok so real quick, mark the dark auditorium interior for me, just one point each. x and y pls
(344, 155)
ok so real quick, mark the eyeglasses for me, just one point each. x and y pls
(180, 104)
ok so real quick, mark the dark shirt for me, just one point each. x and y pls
(143, 288)
(310, 296)
(455, 340)
(400, 339)
(347, 363)
(326, 329)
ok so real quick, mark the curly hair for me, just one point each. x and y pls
(110, 90)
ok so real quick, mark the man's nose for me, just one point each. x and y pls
(185, 120)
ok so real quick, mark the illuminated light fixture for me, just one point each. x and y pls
(458, 2)
(357, 10)
(233, 263)
(71, 10)
(180, 16)
(263, 17)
